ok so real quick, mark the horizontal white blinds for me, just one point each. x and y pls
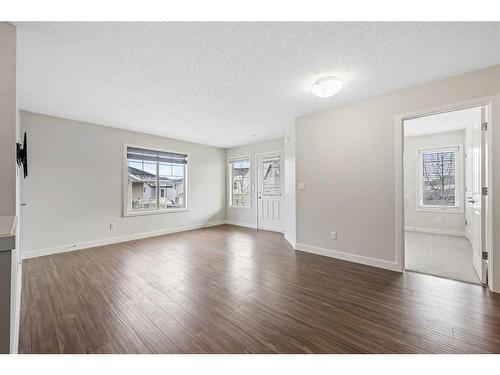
(153, 155)
(240, 163)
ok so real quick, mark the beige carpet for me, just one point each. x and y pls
(445, 256)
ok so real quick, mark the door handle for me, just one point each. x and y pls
(471, 200)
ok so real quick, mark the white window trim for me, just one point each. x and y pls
(126, 212)
(230, 182)
(459, 180)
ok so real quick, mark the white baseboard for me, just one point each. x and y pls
(393, 266)
(446, 232)
(109, 241)
(240, 224)
(290, 240)
(301, 247)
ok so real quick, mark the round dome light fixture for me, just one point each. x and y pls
(327, 86)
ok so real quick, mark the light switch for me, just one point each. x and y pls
(301, 186)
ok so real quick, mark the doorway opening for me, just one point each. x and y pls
(445, 175)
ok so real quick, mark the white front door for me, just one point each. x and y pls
(476, 200)
(270, 191)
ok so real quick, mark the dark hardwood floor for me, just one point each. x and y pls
(227, 289)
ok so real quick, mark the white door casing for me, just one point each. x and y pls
(487, 104)
(270, 180)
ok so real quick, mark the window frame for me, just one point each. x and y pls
(230, 181)
(459, 179)
(157, 211)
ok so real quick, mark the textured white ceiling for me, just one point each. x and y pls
(443, 122)
(227, 84)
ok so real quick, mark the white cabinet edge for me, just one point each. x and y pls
(8, 228)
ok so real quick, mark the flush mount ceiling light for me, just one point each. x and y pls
(327, 86)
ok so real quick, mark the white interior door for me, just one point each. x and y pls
(476, 201)
(270, 191)
(468, 183)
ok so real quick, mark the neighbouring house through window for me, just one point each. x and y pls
(240, 182)
(156, 180)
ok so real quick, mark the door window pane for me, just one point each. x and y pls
(271, 182)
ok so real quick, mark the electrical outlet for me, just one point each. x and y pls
(333, 235)
(112, 226)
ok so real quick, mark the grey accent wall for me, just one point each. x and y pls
(7, 119)
(9, 263)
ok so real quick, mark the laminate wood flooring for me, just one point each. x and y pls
(228, 289)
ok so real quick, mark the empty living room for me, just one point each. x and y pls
(239, 185)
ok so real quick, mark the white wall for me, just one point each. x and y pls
(439, 222)
(74, 190)
(17, 267)
(290, 219)
(347, 158)
(248, 216)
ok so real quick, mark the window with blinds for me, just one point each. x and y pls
(439, 177)
(156, 180)
(240, 182)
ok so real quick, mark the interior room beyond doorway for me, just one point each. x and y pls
(442, 194)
